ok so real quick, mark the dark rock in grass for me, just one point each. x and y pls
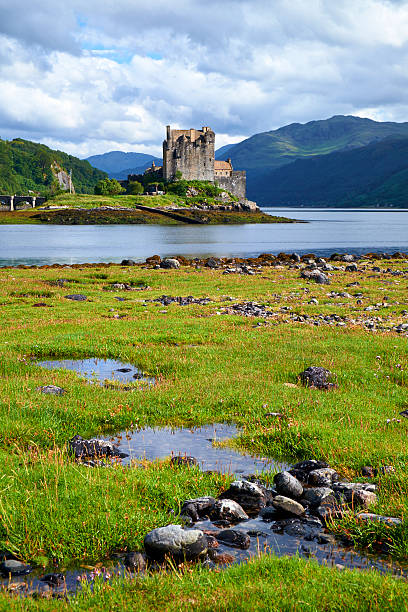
(330, 508)
(315, 496)
(93, 448)
(53, 579)
(183, 461)
(404, 413)
(368, 471)
(124, 370)
(250, 496)
(360, 498)
(212, 263)
(170, 263)
(51, 390)
(41, 305)
(234, 538)
(323, 477)
(315, 275)
(310, 464)
(228, 510)
(12, 567)
(175, 542)
(317, 377)
(127, 262)
(77, 297)
(119, 299)
(135, 562)
(288, 485)
(352, 268)
(289, 506)
(197, 508)
(378, 518)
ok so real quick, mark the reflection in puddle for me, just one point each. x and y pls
(157, 443)
(100, 371)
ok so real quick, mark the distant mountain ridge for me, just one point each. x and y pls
(114, 162)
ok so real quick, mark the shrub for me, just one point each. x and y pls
(108, 187)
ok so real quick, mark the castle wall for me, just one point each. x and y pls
(235, 184)
(190, 152)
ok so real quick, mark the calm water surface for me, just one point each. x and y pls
(327, 231)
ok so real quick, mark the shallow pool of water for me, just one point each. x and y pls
(199, 442)
(100, 371)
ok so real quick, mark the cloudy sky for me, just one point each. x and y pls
(90, 76)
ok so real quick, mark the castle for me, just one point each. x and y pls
(190, 154)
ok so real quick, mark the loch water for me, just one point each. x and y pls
(326, 231)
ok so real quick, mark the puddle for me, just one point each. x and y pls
(100, 371)
(160, 442)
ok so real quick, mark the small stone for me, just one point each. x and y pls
(197, 508)
(183, 461)
(228, 510)
(221, 558)
(170, 263)
(77, 297)
(288, 485)
(135, 562)
(323, 477)
(234, 538)
(310, 464)
(53, 579)
(378, 518)
(288, 505)
(51, 390)
(317, 377)
(250, 496)
(173, 541)
(315, 496)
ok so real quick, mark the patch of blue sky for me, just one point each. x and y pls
(155, 56)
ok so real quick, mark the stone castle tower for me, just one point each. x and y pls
(190, 152)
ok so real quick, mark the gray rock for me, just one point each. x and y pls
(135, 562)
(330, 507)
(250, 496)
(269, 514)
(317, 377)
(198, 507)
(127, 262)
(77, 297)
(360, 498)
(228, 510)
(51, 390)
(175, 542)
(290, 506)
(183, 461)
(323, 477)
(93, 448)
(288, 485)
(234, 538)
(170, 263)
(315, 275)
(14, 568)
(315, 496)
(54, 579)
(310, 464)
(378, 518)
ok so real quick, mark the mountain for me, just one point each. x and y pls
(264, 152)
(370, 175)
(118, 161)
(222, 152)
(26, 165)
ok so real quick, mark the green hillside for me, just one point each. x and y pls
(26, 165)
(370, 175)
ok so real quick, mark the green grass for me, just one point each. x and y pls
(209, 368)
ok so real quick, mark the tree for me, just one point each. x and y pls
(135, 188)
(108, 187)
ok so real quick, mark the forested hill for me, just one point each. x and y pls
(262, 153)
(376, 174)
(26, 165)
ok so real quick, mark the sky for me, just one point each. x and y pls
(91, 76)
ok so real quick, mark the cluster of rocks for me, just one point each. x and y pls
(318, 378)
(243, 269)
(91, 452)
(249, 309)
(125, 287)
(166, 300)
(77, 297)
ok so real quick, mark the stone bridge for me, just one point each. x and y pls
(14, 202)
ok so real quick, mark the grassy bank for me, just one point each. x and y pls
(211, 366)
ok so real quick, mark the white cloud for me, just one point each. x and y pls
(88, 77)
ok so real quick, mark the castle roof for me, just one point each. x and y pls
(222, 165)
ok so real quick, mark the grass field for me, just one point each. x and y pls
(210, 367)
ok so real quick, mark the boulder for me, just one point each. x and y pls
(360, 498)
(175, 542)
(127, 262)
(288, 485)
(234, 538)
(330, 507)
(287, 505)
(323, 477)
(315, 496)
(317, 377)
(228, 510)
(197, 508)
(250, 496)
(12, 567)
(212, 263)
(170, 263)
(93, 448)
